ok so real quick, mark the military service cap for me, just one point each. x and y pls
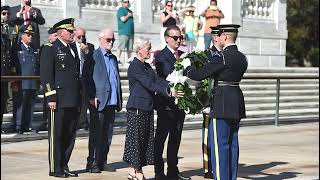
(67, 24)
(214, 30)
(228, 28)
(26, 29)
(52, 30)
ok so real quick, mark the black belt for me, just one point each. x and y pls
(224, 83)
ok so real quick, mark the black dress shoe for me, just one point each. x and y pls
(208, 175)
(19, 131)
(94, 169)
(58, 174)
(69, 173)
(178, 176)
(160, 177)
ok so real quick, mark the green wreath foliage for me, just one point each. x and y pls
(193, 103)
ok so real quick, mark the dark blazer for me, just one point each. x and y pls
(143, 83)
(34, 21)
(228, 101)
(97, 81)
(59, 74)
(164, 63)
(26, 64)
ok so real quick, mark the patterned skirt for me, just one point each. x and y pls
(139, 145)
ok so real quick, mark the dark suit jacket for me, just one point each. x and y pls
(143, 83)
(228, 101)
(34, 21)
(97, 81)
(26, 64)
(59, 74)
(164, 63)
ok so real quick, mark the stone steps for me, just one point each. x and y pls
(299, 98)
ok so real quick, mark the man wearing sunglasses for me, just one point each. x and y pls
(83, 47)
(102, 81)
(170, 117)
(59, 74)
(125, 30)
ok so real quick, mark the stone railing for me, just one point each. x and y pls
(258, 9)
(48, 2)
(159, 5)
(103, 4)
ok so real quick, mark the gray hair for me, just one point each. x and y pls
(140, 43)
(104, 31)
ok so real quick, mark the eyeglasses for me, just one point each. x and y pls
(125, 1)
(109, 39)
(5, 13)
(169, 5)
(81, 36)
(176, 37)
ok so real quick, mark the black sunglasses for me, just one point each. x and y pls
(125, 1)
(176, 37)
(5, 13)
(81, 36)
(169, 5)
(109, 39)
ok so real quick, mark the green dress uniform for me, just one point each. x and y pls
(59, 74)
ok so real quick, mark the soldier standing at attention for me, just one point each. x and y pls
(227, 107)
(5, 61)
(59, 74)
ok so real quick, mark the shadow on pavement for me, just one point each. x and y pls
(254, 172)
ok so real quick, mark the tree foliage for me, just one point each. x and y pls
(303, 32)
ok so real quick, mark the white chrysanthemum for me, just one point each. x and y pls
(187, 111)
(183, 55)
(197, 50)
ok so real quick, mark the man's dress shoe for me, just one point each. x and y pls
(178, 176)
(58, 174)
(69, 173)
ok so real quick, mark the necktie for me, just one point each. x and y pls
(176, 54)
(71, 51)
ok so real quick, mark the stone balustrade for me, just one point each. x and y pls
(258, 9)
(48, 2)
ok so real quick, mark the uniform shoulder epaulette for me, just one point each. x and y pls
(48, 44)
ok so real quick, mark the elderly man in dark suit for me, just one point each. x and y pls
(102, 82)
(25, 14)
(83, 46)
(170, 117)
(59, 74)
(26, 61)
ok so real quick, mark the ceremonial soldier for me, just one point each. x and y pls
(5, 67)
(227, 108)
(59, 73)
(207, 131)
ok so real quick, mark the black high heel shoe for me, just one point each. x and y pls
(131, 177)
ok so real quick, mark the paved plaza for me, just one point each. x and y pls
(266, 153)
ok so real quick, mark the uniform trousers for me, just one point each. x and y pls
(24, 102)
(62, 133)
(4, 96)
(225, 149)
(207, 134)
(169, 122)
(100, 136)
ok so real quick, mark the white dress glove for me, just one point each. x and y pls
(186, 62)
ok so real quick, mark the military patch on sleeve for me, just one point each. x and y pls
(48, 44)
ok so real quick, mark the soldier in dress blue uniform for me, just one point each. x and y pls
(227, 107)
(59, 74)
(207, 131)
(25, 59)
